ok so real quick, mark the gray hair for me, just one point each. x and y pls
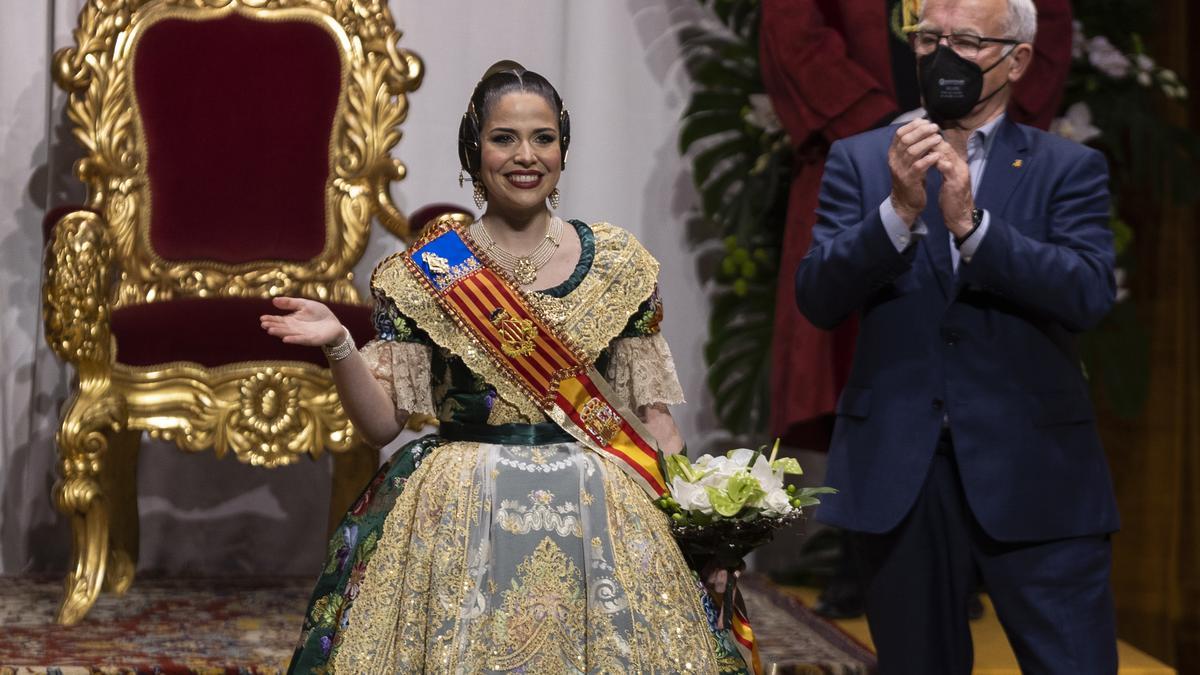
(1021, 23)
(1022, 20)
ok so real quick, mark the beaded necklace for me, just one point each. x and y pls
(524, 268)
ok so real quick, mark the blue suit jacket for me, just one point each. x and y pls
(993, 346)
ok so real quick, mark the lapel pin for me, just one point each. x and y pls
(1017, 163)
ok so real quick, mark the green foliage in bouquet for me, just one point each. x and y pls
(742, 486)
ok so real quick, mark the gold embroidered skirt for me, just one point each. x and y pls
(535, 559)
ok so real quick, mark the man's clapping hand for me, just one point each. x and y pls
(916, 146)
(954, 198)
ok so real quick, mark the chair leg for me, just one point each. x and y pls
(352, 470)
(83, 442)
(118, 480)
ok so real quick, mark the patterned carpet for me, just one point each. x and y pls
(796, 640)
(160, 626)
(249, 626)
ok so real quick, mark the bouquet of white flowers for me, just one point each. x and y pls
(742, 488)
(723, 507)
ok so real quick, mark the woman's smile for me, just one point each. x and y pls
(525, 180)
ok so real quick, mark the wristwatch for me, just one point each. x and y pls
(976, 220)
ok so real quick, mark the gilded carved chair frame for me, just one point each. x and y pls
(100, 259)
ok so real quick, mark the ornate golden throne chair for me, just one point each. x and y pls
(235, 150)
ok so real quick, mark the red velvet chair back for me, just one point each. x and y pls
(238, 148)
(237, 115)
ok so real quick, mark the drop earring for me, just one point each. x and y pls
(480, 195)
(554, 195)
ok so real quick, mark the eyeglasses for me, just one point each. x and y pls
(965, 45)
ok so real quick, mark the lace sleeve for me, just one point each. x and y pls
(403, 368)
(642, 372)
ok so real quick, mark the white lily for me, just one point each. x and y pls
(768, 479)
(741, 457)
(691, 496)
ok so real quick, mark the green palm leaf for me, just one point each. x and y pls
(738, 169)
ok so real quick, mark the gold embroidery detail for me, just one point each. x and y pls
(623, 275)
(539, 516)
(413, 299)
(516, 335)
(504, 412)
(660, 586)
(413, 584)
(445, 274)
(541, 624)
(554, 309)
(425, 603)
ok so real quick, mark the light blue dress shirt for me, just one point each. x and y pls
(979, 146)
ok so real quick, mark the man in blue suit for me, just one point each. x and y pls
(973, 250)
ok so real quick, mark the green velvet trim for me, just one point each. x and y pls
(587, 253)
(543, 433)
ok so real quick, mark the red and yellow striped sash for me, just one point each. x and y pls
(744, 635)
(521, 343)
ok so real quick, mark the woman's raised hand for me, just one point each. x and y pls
(307, 322)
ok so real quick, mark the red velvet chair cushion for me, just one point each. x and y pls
(237, 114)
(215, 332)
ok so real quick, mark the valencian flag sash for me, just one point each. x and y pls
(546, 366)
(743, 634)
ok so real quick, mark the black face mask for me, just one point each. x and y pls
(950, 85)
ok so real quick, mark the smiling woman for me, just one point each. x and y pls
(522, 536)
(513, 142)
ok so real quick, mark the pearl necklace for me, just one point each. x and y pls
(524, 268)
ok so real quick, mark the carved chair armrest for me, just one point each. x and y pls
(390, 217)
(75, 288)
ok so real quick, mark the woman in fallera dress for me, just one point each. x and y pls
(522, 536)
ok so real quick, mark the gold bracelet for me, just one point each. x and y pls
(340, 350)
